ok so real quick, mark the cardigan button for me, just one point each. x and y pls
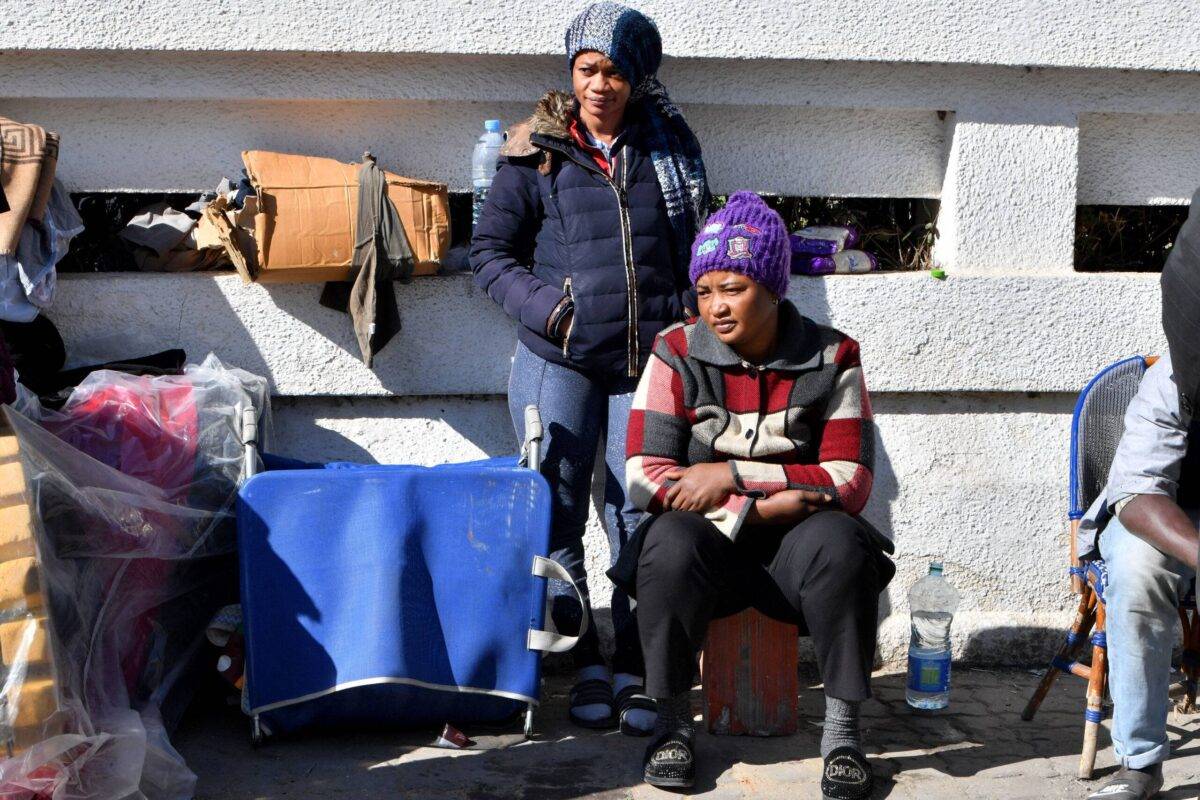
(750, 433)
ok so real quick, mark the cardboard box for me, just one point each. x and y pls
(307, 208)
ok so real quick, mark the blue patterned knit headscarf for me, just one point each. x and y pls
(631, 41)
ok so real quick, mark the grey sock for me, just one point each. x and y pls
(841, 726)
(675, 715)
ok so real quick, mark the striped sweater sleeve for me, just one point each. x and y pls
(657, 439)
(846, 453)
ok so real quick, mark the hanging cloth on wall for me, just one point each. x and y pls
(382, 255)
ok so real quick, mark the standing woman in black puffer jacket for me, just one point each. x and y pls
(584, 240)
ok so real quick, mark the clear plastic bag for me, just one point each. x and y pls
(122, 549)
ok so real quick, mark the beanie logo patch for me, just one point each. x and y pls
(707, 246)
(713, 227)
(739, 248)
(742, 226)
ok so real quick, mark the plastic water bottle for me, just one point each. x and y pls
(932, 602)
(483, 164)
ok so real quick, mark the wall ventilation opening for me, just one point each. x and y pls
(104, 214)
(899, 232)
(1125, 238)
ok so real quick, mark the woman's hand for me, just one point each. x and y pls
(788, 507)
(700, 487)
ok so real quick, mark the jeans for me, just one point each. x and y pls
(578, 412)
(1142, 605)
(823, 575)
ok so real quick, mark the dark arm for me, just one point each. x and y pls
(1160, 521)
(1147, 465)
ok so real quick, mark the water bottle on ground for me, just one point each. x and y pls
(483, 164)
(932, 602)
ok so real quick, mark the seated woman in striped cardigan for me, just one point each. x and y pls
(750, 444)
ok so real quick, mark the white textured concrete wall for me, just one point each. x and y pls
(966, 334)
(1011, 113)
(1152, 34)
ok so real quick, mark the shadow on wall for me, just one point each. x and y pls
(1010, 645)
(298, 435)
(394, 430)
(810, 296)
(316, 350)
(312, 350)
(337, 327)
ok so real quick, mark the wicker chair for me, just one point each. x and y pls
(1096, 429)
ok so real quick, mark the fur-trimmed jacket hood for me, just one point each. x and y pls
(551, 117)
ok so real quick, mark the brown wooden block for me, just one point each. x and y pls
(20, 585)
(16, 529)
(23, 739)
(11, 634)
(37, 700)
(749, 669)
(12, 481)
(38, 717)
(16, 532)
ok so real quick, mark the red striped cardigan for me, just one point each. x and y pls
(801, 421)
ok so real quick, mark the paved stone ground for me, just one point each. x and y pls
(979, 749)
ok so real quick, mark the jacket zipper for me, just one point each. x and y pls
(567, 335)
(632, 347)
(630, 273)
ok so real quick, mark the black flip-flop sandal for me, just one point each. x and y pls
(670, 762)
(592, 692)
(847, 775)
(631, 699)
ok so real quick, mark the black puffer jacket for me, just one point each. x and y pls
(555, 226)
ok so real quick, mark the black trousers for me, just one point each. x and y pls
(824, 575)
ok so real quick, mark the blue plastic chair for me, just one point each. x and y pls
(1096, 429)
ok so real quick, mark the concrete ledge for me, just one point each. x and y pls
(967, 334)
(1075, 33)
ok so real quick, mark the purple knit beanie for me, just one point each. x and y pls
(746, 237)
